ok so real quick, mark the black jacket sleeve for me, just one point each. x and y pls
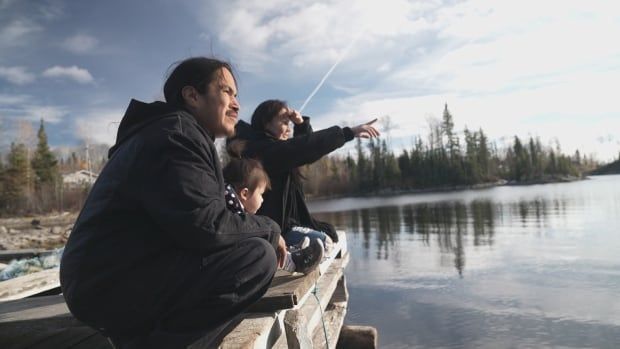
(184, 196)
(304, 148)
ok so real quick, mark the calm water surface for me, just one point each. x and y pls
(507, 267)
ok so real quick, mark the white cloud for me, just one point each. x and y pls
(75, 73)
(15, 33)
(16, 75)
(50, 113)
(569, 112)
(512, 71)
(309, 35)
(21, 107)
(80, 43)
(98, 125)
(10, 99)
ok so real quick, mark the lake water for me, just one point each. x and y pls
(506, 267)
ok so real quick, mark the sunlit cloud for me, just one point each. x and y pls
(98, 126)
(74, 73)
(500, 67)
(309, 35)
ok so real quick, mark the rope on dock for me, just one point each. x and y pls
(315, 292)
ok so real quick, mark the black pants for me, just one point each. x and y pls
(205, 298)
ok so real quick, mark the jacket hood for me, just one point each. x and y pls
(138, 116)
(244, 131)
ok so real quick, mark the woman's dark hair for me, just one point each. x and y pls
(265, 112)
(244, 172)
(195, 71)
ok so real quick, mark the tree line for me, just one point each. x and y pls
(31, 176)
(445, 160)
(31, 179)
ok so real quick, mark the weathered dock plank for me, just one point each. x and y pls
(285, 292)
(310, 312)
(333, 317)
(359, 337)
(30, 285)
(34, 315)
(45, 322)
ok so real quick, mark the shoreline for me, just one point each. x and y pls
(50, 231)
(454, 188)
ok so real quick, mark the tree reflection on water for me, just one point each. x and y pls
(451, 225)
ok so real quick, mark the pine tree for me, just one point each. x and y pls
(15, 179)
(447, 128)
(44, 162)
(352, 170)
(471, 160)
(362, 167)
(484, 155)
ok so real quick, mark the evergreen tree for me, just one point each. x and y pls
(362, 167)
(351, 170)
(404, 166)
(484, 155)
(392, 171)
(15, 179)
(447, 128)
(472, 166)
(44, 162)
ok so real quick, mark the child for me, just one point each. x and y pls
(246, 181)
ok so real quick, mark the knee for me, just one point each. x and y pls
(263, 256)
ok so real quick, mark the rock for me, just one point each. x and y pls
(56, 230)
(3, 230)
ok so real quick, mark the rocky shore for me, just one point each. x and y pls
(46, 232)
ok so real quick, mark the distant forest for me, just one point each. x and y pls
(31, 179)
(611, 168)
(446, 160)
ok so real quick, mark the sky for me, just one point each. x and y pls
(545, 69)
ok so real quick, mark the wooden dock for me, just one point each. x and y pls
(298, 311)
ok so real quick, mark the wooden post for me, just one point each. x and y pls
(359, 337)
(296, 328)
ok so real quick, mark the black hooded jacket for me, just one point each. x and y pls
(161, 193)
(285, 202)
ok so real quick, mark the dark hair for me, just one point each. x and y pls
(265, 112)
(195, 71)
(244, 172)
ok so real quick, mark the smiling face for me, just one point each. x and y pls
(280, 126)
(217, 109)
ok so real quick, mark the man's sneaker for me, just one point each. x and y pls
(306, 256)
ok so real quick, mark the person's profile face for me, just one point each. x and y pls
(218, 109)
(252, 200)
(279, 127)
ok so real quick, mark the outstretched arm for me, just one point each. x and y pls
(308, 147)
